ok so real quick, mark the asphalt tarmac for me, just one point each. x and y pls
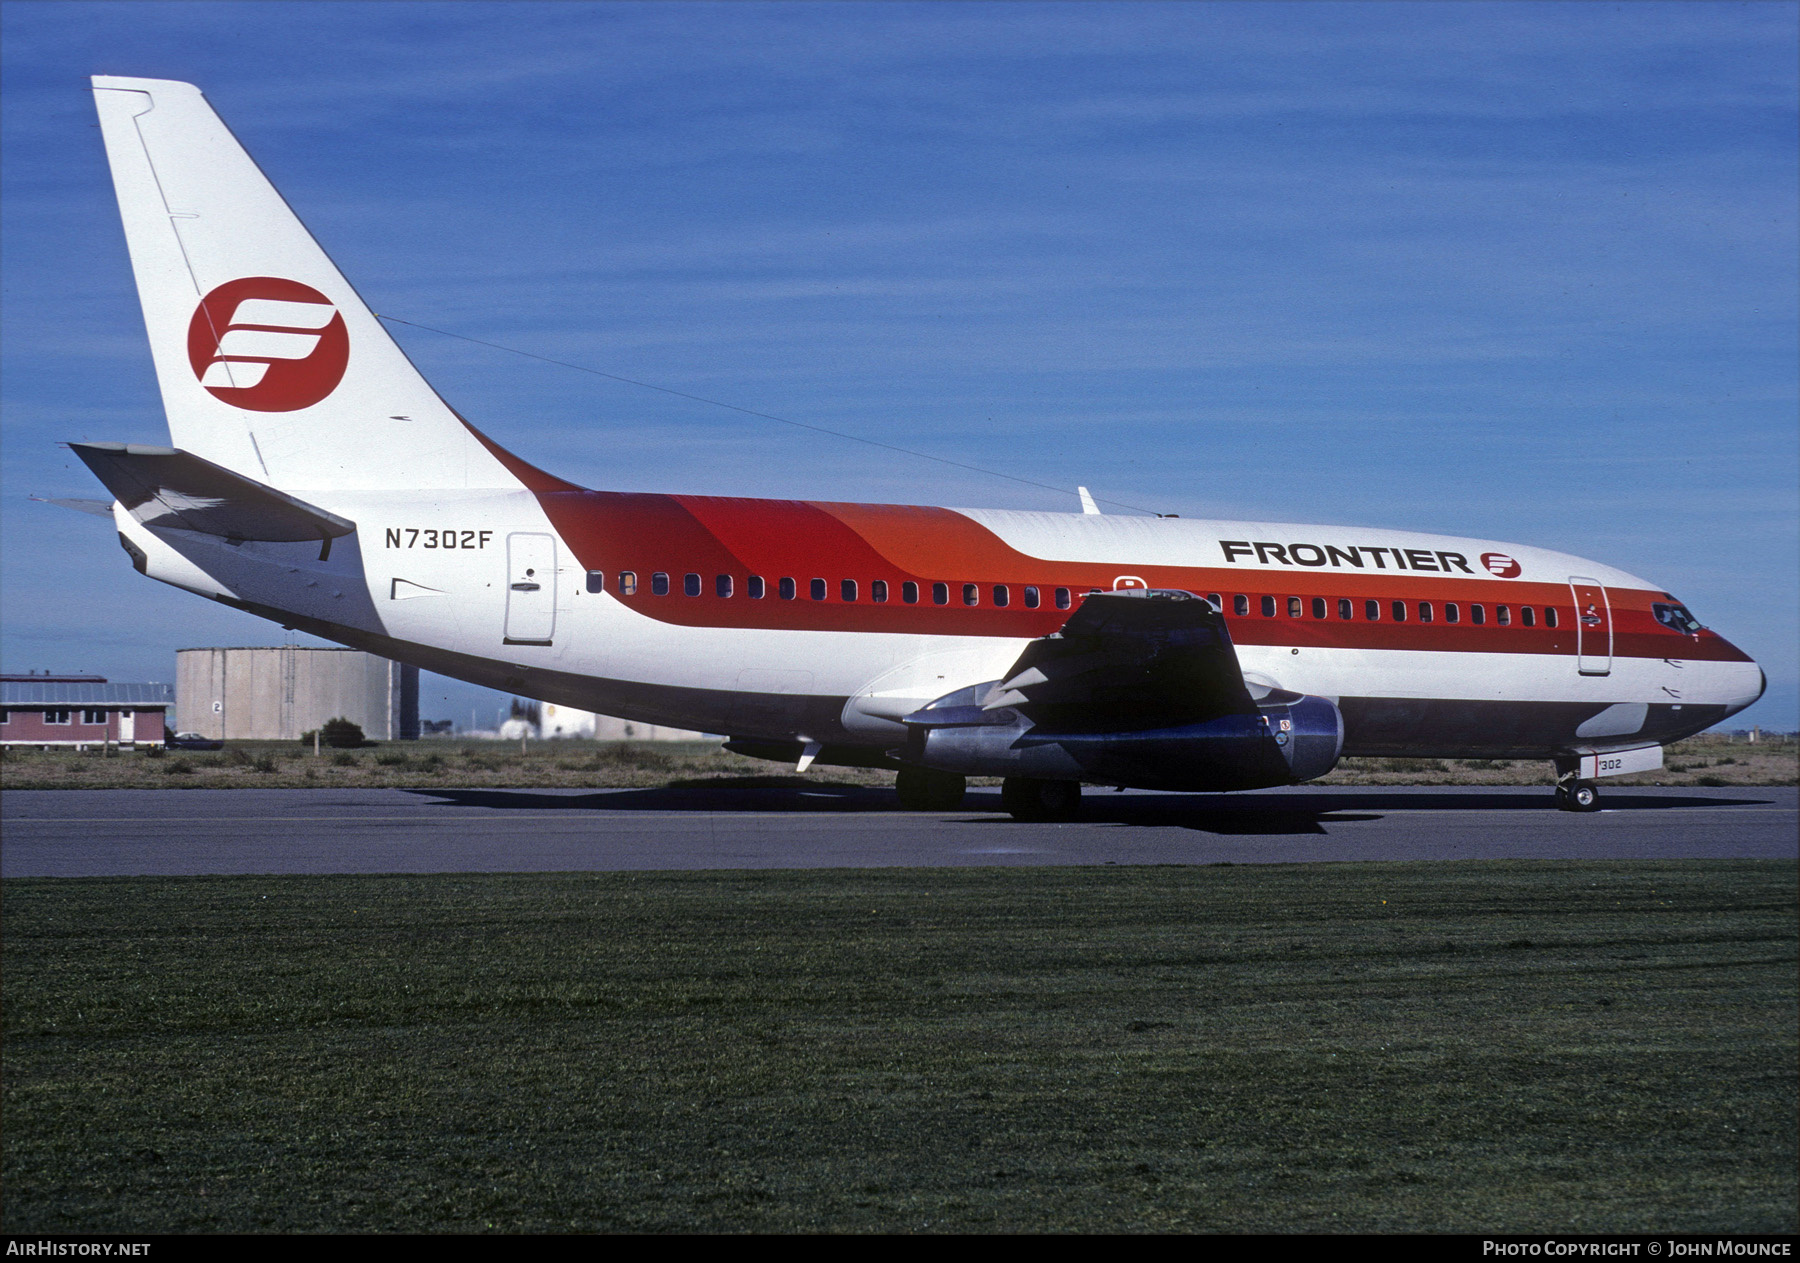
(75, 833)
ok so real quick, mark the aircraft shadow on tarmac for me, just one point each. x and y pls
(1304, 811)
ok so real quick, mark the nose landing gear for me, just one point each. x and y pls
(1578, 796)
(1573, 793)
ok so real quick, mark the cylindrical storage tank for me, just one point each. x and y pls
(278, 693)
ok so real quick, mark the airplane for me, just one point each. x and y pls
(314, 478)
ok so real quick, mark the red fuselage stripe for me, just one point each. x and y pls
(710, 536)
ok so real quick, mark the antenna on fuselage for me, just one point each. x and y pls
(1087, 502)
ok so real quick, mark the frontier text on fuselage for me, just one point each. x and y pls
(1359, 556)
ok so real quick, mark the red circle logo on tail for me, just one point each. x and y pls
(268, 345)
(1500, 565)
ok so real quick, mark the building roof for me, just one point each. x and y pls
(49, 677)
(43, 693)
(270, 649)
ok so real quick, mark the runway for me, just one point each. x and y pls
(73, 833)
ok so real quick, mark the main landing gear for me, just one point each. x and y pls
(1573, 793)
(1040, 800)
(924, 790)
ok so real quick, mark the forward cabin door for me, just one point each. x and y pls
(530, 588)
(1593, 626)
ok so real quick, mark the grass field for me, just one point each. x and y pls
(1701, 761)
(1494, 1046)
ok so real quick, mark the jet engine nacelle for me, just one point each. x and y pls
(1291, 737)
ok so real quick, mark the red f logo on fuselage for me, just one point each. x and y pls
(267, 344)
(1500, 565)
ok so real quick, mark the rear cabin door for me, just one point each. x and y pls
(1593, 626)
(530, 588)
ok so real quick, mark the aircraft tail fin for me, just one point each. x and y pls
(269, 363)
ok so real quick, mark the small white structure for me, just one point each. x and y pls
(565, 721)
(607, 728)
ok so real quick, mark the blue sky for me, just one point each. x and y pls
(1525, 272)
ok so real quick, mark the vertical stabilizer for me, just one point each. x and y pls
(268, 362)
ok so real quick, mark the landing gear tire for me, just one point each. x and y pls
(1026, 799)
(923, 790)
(1580, 796)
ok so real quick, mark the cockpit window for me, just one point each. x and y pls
(1675, 617)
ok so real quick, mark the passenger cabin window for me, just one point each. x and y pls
(690, 584)
(753, 587)
(596, 581)
(818, 589)
(659, 583)
(1001, 595)
(940, 594)
(1346, 608)
(1503, 615)
(627, 583)
(722, 585)
(847, 589)
(1063, 599)
(1218, 602)
(1240, 605)
(786, 588)
(1528, 616)
(1549, 616)
(1031, 597)
(1451, 613)
(1372, 611)
(1294, 607)
(909, 592)
(1318, 604)
(878, 591)
(1424, 611)
(1399, 611)
(971, 594)
(1268, 607)
(1478, 614)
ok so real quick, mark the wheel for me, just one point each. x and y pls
(1584, 796)
(1061, 799)
(921, 789)
(1018, 797)
(1026, 799)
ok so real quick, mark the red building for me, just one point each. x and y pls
(81, 711)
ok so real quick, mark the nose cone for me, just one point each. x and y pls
(1762, 686)
(1744, 686)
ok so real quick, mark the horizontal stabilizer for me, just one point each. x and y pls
(99, 508)
(167, 487)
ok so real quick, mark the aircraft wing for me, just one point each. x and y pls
(1141, 689)
(167, 487)
(1124, 662)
